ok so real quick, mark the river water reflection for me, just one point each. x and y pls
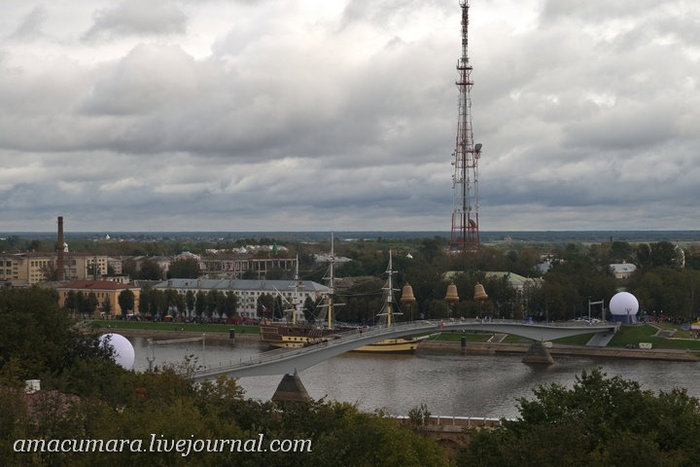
(476, 386)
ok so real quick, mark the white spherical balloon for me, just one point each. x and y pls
(624, 303)
(123, 350)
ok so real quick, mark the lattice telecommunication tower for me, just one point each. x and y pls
(465, 214)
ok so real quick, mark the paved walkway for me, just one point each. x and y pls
(600, 339)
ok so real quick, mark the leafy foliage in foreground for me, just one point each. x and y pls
(600, 421)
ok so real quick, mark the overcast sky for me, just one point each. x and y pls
(341, 115)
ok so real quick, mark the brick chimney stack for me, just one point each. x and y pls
(60, 262)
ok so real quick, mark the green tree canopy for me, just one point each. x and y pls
(150, 271)
(599, 421)
(184, 269)
(126, 301)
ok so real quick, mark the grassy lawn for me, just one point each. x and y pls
(679, 332)
(632, 335)
(644, 333)
(160, 326)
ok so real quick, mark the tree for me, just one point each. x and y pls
(145, 301)
(230, 304)
(126, 301)
(54, 348)
(91, 303)
(159, 303)
(129, 268)
(600, 421)
(150, 271)
(277, 273)
(200, 303)
(184, 269)
(264, 305)
(106, 307)
(50, 271)
(180, 304)
(189, 302)
(659, 254)
(212, 302)
(86, 304)
(71, 301)
(93, 270)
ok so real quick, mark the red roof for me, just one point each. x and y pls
(96, 285)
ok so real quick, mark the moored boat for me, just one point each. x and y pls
(406, 344)
(296, 334)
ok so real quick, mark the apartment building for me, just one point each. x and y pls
(236, 265)
(27, 269)
(248, 291)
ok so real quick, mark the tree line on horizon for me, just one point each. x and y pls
(664, 282)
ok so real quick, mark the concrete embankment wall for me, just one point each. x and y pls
(485, 348)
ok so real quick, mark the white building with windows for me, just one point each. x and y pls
(622, 271)
(248, 291)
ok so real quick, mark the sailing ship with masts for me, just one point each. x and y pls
(300, 334)
(406, 344)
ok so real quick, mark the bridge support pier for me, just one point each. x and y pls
(538, 354)
(291, 389)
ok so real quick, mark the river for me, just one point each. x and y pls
(470, 385)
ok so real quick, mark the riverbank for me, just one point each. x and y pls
(487, 348)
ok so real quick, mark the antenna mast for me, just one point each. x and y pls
(464, 235)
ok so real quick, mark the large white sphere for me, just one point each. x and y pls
(624, 303)
(123, 350)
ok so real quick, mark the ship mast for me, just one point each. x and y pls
(296, 285)
(331, 284)
(388, 309)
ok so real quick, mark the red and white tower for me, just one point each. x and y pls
(465, 214)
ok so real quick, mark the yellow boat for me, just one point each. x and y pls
(397, 345)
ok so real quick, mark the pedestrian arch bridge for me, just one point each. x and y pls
(287, 361)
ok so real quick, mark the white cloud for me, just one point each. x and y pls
(302, 115)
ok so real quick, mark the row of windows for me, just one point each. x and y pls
(239, 293)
